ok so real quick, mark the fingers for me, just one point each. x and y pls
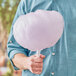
(37, 68)
(37, 65)
(42, 56)
(37, 59)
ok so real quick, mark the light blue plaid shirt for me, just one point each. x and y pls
(60, 59)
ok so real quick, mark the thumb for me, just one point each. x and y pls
(42, 56)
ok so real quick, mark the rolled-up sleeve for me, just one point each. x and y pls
(12, 46)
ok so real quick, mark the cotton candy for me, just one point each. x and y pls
(38, 30)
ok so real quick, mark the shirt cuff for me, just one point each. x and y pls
(13, 53)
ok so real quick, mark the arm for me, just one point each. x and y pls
(20, 61)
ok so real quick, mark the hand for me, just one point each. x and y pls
(35, 63)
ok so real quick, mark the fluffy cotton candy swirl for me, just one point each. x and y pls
(38, 30)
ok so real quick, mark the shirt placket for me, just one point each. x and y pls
(53, 59)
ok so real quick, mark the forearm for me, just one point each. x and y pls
(20, 61)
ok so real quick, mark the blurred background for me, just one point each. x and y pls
(7, 11)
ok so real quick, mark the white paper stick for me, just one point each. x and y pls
(38, 53)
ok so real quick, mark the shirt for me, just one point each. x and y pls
(60, 59)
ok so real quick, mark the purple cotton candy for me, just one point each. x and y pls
(38, 30)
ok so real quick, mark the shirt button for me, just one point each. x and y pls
(52, 73)
(53, 53)
(10, 41)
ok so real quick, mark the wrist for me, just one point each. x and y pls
(26, 63)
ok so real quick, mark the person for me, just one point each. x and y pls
(58, 60)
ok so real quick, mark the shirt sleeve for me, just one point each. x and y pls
(12, 46)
